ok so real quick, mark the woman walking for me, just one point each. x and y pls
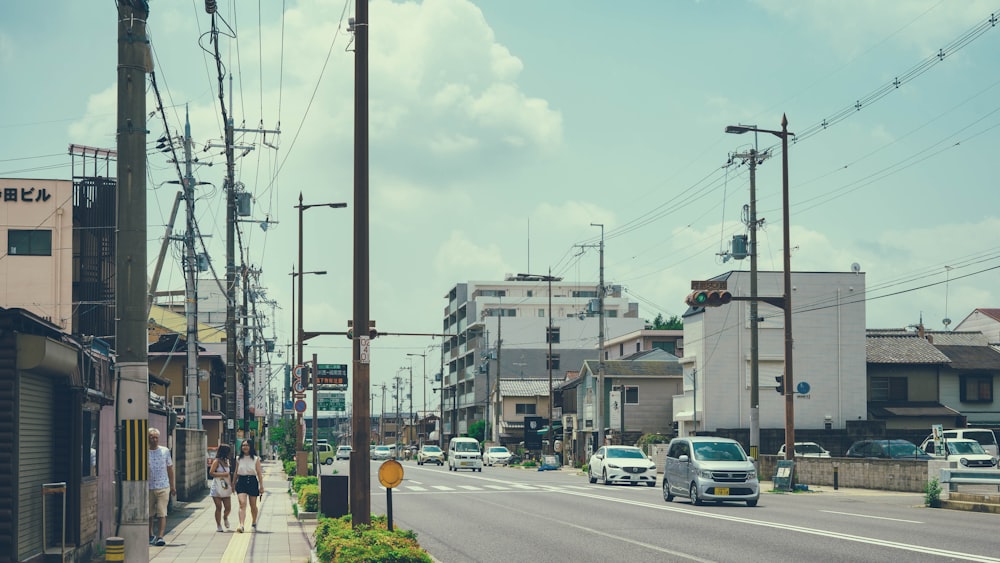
(249, 482)
(222, 486)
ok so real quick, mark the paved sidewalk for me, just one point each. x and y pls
(191, 534)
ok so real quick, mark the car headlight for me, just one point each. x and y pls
(752, 474)
(964, 462)
(993, 461)
(614, 466)
(705, 474)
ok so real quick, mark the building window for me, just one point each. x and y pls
(665, 346)
(631, 394)
(592, 293)
(889, 389)
(91, 442)
(541, 312)
(493, 292)
(553, 361)
(621, 350)
(610, 313)
(524, 408)
(976, 389)
(531, 293)
(552, 335)
(29, 243)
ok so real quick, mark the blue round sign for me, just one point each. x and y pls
(300, 406)
(802, 388)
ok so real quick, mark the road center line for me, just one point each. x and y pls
(875, 517)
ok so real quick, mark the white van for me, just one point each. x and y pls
(464, 453)
(984, 436)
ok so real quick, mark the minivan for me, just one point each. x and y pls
(984, 436)
(463, 453)
(707, 468)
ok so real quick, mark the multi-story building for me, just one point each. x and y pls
(504, 329)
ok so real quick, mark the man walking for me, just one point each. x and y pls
(161, 485)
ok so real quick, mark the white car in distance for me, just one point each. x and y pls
(805, 449)
(496, 455)
(621, 464)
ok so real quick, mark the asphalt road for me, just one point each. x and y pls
(504, 515)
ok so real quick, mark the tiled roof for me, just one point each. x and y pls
(654, 355)
(625, 367)
(972, 357)
(901, 349)
(526, 387)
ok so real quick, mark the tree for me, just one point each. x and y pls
(477, 430)
(283, 435)
(673, 323)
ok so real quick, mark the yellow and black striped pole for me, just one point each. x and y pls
(134, 456)
(115, 549)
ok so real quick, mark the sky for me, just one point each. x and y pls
(500, 131)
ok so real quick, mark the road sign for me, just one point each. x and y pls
(332, 374)
(300, 406)
(709, 285)
(299, 387)
(802, 387)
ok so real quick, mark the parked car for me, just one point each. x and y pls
(706, 468)
(430, 453)
(325, 452)
(621, 464)
(966, 452)
(381, 453)
(986, 438)
(496, 455)
(886, 449)
(806, 449)
(344, 452)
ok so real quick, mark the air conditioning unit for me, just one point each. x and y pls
(178, 401)
(216, 403)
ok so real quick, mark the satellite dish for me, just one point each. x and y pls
(946, 321)
(856, 268)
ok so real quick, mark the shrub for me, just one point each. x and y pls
(309, 498)
(290, 468)
(932, 493)
(337, 542)
(647, 439)
(301, 481)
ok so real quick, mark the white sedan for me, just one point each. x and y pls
(621, 464)
(496, 455)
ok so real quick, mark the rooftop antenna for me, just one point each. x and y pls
(946, 320)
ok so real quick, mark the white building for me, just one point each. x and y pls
(516, 312)
(828, 334)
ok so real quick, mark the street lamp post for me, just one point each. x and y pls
(786, 300)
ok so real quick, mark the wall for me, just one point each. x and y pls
(879, 474)
(190, 463)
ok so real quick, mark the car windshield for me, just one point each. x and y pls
(499, 450)
(432, 449)
(466, 447)
(625, 453)
(383, 448)
(970, 447)
(808, 449)
(344, 448)
(718, 451)
(905, 450)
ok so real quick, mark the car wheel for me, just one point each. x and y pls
(667, 496)
(419, 462)
(752, 503)
(590, 476)
(328, 461)
(693, 493)
(604, 477)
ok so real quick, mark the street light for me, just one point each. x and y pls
(302, 207)
(786, 300)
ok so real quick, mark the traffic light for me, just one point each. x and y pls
(372, 333)
(709, 298)
(781, 384)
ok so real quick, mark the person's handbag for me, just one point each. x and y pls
(222, 488)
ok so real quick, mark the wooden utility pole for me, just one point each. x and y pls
(134, 62)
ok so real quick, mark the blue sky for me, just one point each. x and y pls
(501, 130)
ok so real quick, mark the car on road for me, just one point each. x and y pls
(325, 452)
(496, 455)
(430, 454)
(966, 452)
(463, 453)
(806, 449)
(621, 464)
(382, 453)
(344, 452)
(706, 468)
(887, 449)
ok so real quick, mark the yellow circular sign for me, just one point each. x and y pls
(390, 474)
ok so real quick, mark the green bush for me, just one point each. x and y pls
(338, 542)
(932, 493)
(290, 468)
(647, 439)
(301, 481)
(309, 498)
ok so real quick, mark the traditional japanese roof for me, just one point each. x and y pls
(525, 387)
(972, 357)
(883, 347)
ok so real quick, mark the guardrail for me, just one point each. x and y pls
(954, 477)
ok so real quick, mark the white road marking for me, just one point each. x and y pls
(875, 517)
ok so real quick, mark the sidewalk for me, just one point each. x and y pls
(191, 534)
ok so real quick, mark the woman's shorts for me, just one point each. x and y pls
(247, 484)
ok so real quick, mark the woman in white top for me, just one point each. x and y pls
(222, 485)
(249, 481)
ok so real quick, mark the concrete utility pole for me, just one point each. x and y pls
(600, 345)
(192, 413)
(360, 482)
(134, 62)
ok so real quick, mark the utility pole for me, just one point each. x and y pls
(441, 405)
(360, 483)
(130, 271)
(424, 357)
(496, 413)
(551, 443)
(192, 418)
(600, 345)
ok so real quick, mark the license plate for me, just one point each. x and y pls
(722, 491)
(465, 463)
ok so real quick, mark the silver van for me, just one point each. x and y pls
(706, 468)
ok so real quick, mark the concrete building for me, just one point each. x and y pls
(501, 329)
(828, 331)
